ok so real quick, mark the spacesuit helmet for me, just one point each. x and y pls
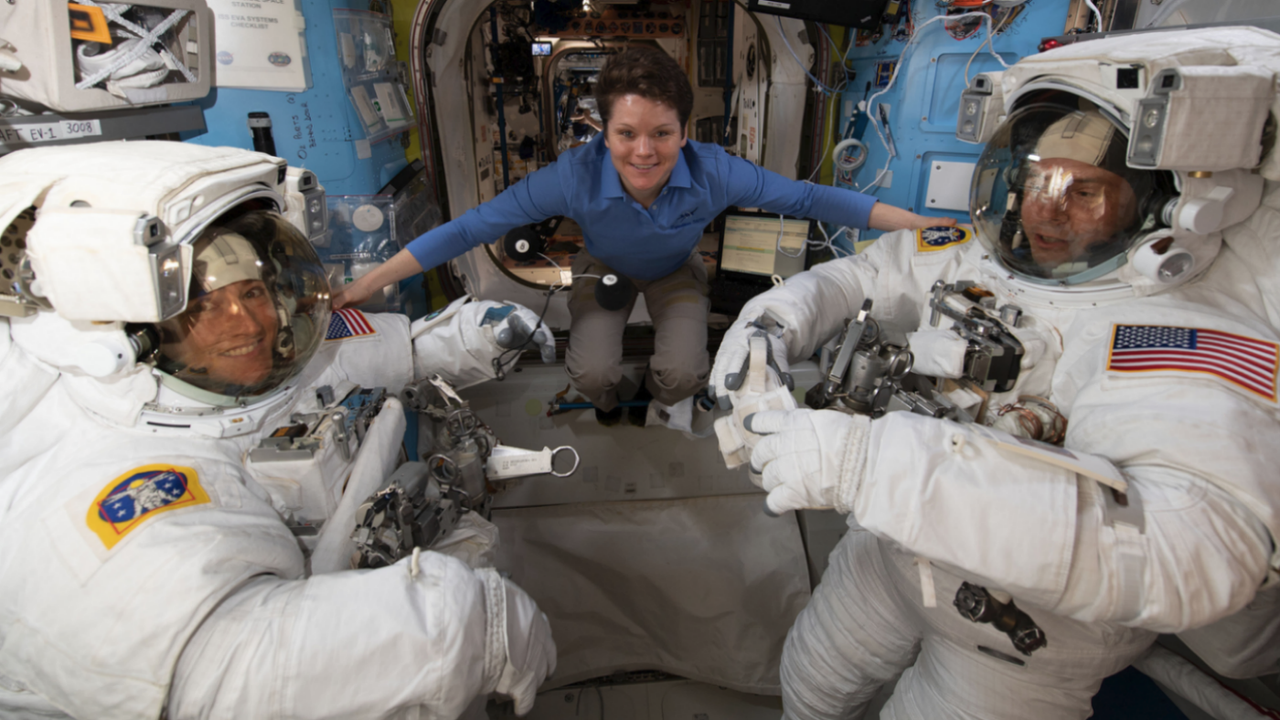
(1053, 199)
(257, 306)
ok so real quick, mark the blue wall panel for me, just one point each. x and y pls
(315, 129)
(925, 98)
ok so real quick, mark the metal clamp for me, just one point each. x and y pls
(978, 605)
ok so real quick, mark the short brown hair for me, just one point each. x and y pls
(648, 72)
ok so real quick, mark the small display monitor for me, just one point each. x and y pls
(763, 245)
(541, 49)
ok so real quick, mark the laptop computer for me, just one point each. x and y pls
(754, 247)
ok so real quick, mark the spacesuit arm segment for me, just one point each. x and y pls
(23, 381)
(809, 309)
(1048, 536)
(813, 306)
(462, 343)
(350, 644)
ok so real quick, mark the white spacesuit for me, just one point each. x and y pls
(186, 429)
(1113, 292)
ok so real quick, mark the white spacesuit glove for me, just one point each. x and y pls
(730, 368)
(760, 389)
(525, 637)
(522, 329)
(810, 458)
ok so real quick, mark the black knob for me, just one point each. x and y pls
(523, 244)
(260, 127)
(614, 292)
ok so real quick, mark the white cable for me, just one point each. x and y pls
(847, 164)
(999, 27)
(782, 31)
(556, 286)
(1097, 16)
(778, 245)
(827, 139)
(898, 67)
(880, 175)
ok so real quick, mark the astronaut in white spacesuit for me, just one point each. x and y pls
(164, 554)
(1003, 578)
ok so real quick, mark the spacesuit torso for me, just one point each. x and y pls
(153, 521)
(948, 507)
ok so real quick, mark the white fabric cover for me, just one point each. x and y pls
(172, 181)
(1198, 451)
(207, 608)
(380, 453)
(1093, 65)
(867, 624)
(704, 588)
(937, 352)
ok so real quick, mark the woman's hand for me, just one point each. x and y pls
(352, 294)
(400, 266)
(887, 217)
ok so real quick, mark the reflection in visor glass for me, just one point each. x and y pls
(1053, 198)
(1070, 210)
(257, 307)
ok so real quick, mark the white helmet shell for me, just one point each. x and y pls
(1182, 109)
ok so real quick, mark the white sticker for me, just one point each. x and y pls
(348, 46)
(506, 462)
(49, 132)
(368, 115)
(774, 4)
(367, 218)
(390, 107)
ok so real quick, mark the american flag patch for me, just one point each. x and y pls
(1245, 362)
(348, 323)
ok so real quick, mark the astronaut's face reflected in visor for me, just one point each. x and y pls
(1053, 198)
(1070, 207)
(256, 310)
(229, 335)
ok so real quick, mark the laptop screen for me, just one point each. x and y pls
(749, 245)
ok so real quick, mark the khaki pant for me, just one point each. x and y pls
(677, 304)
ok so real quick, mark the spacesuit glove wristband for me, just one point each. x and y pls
(495, 635)
(853, 465)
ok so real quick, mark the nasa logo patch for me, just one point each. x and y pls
(941, 238)
(140, 494)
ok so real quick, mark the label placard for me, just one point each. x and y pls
(49, 132)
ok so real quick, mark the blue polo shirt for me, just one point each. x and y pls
(642, 244)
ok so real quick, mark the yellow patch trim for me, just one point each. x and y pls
(139, 495)
(940, 238)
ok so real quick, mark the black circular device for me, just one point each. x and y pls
(523, 244)
(614, 291)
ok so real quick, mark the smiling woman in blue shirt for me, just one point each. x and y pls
(642, 193)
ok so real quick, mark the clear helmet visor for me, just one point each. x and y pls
(1053, 199)
(257, 308)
